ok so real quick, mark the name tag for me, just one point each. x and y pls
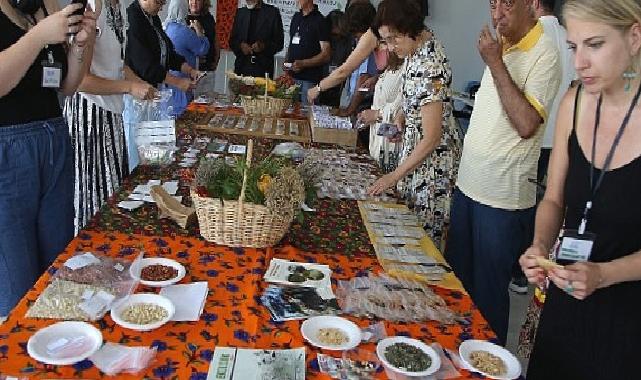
(296, 40)
(51, 75)
(576, 247)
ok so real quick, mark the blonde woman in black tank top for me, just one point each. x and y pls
(589, 326)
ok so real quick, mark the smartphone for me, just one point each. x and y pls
(200, 76)
(80, 11)
(387, 129)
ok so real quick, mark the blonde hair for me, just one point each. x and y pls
(618, 14)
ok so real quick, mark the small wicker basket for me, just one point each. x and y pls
(240, 224)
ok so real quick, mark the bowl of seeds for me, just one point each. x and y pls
(331, 333)
(158, 271)
(407, 358)
(143, 311)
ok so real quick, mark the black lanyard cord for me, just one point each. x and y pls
(594, 187)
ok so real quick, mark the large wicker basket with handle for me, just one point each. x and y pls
(240, 224)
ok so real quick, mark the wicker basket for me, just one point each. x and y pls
(259, 106)
(240, 224)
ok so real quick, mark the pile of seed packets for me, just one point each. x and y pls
(190, 157)
(397, 235)
(266, 125)
(348, 176)
(324, 119)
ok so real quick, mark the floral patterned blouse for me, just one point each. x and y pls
(426, 79)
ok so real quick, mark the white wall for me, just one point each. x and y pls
(457, 23)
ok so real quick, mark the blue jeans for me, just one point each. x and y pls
(483, 243)
(305, 85)
(36, 203)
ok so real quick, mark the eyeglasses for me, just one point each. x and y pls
(508, 4)
(391, 40)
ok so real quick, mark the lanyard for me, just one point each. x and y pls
(594, 187)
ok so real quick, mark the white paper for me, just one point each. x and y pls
(171, 187)
(153, 182)
(80, 261)
(142, 189)
(189, 300)
(130, 205)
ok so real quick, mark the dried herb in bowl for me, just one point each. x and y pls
(407, 357)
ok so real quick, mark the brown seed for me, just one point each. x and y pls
(158, 272)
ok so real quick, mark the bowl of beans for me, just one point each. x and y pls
(143, 311)
(331, 333)
(158, 272)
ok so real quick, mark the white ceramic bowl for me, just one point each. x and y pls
(81, 338)
(383, 344)
(151, 298)
(311, 327)
(511, 362)
(134, 270)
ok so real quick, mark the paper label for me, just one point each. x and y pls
(80, 261)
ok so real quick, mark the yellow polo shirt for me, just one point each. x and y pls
(496, 162)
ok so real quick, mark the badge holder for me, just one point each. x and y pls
(51, 72)
(296, 39)
(576, 246)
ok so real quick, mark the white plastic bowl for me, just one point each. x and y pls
(511, 362)
(151, 298)
(311, 327)
(43, 344)
(398, 373)
(134, 270)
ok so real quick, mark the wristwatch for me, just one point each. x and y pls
(318, 87)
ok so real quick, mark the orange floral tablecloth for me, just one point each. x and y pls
(233, 315)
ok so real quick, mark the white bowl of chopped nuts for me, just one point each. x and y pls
(331, 333)
(143, 311)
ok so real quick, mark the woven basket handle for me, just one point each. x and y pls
(248, 163)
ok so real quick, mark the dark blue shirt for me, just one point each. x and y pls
(311, 29)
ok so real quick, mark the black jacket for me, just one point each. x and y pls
(142, 53)
(269, 27)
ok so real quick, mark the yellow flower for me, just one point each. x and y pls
(264, 182)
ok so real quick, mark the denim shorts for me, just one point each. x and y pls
(36, 203)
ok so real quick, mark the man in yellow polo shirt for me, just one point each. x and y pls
(492, 214)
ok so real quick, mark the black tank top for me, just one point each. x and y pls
(29, 101)
(616, 211)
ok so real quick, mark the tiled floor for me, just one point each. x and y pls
(518, 309)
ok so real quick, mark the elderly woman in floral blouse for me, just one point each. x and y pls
(431, 145)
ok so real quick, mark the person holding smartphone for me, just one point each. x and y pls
(188, 37)
(37, 62)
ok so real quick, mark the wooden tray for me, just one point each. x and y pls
(230, 125)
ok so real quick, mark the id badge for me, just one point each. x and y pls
(576, 247)
(51, 74)
(296, 39)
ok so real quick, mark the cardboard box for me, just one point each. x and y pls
(347, 137)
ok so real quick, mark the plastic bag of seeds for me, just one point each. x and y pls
(84, 288)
